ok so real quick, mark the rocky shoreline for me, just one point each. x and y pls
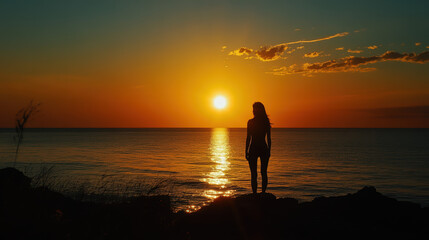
(39, 213)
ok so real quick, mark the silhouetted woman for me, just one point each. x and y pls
(258, 128)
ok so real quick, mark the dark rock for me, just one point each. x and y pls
(39, 213)
(362, 215)
(12, 179)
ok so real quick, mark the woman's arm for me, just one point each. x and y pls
(248, 138)
(269, 140)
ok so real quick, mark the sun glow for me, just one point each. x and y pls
(219, 102)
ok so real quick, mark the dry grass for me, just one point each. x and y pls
(21, 120)
(106, 188)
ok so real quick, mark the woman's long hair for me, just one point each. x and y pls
(260, 115)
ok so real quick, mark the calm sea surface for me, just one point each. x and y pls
(202, 164)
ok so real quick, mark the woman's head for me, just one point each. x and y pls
(259, 112)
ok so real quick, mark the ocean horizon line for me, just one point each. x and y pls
(198, 128)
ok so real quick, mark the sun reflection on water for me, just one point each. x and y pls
(217, 178)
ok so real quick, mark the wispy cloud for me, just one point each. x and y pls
(320, 39)
(418, 44)
(351, 64)
(339, 48)
(291, 51)
(223, 48)
(271, 53)
(313, 54)
(354, 51)
(373, 47)
(294, 49)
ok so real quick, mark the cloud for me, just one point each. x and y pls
(241, 51)
(373, 47)
(339, 49)
(297, 29)
(352, 64)
(263, 54)
(400, 112)
(418, 44)
(320, 39)
(294, 49)
(271, 53)
(313, 54)
(354, 51)
(223, 48)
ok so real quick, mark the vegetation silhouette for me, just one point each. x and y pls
(21, 119)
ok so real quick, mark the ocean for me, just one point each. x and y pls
(196, 166)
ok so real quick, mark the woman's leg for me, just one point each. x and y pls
(264, 167)
(253, 162)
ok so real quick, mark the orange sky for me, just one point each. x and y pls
(165, 74)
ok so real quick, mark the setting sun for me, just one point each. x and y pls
(219, 102)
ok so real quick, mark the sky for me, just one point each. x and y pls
(161, 63)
